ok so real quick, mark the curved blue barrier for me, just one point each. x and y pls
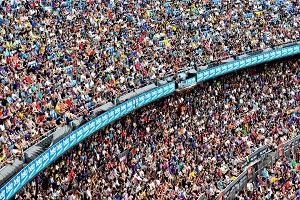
(33, 168)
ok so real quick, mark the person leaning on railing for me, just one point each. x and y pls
(3, 159)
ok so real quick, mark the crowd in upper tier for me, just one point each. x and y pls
(184, 146)
(59, 59)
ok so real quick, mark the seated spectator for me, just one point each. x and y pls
(3, 158)
(18, 148)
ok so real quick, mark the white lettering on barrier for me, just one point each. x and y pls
(31, 169)
(129, 104)
(17, 180)
(284, 52)
(154, 94)
(278, 53)
(104, 118)
(39, 163)
(266, 56)
(65, 142)
(85, 130)
(186, 82)
(79, 133)
(45, 158)
(218, 70)
(190, 81)
(9, 188)
(200, 76)
(242, 63)
(260, 58)
(253, 158)
(205, 75)
(91, 126)
(263, 152)
(166, 89)
(193, 81)
(212, 72)
(160, 92)
(290, 50)
(248, 61)
(59, 146)
(24, 175)
(98, 122)
(141, 100)
(148, 97)
(236, 65)
(229, 66)
(296, 49)
(111, 115)
(52, 152)
(272, 55)
(123, 108)
(254, 60)
(171, 87)
(2, 194)
(117, 112)
(73, 137)
(224, 68)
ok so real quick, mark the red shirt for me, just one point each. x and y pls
(123, 134)
(38, 106)
(81, 45)
(134, 151)
(28, 80)
(41, 118)
(68, 102)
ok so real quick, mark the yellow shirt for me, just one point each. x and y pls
(57, 108)
(166, 42)
(274, 179)
(192, 174)
(21, 115)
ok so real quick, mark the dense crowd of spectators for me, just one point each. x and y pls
(281, 181)
(187, 145)
(60, 58)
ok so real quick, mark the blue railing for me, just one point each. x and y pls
(46, 158)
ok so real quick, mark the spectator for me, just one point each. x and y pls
(17, 148)
(3, 158)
